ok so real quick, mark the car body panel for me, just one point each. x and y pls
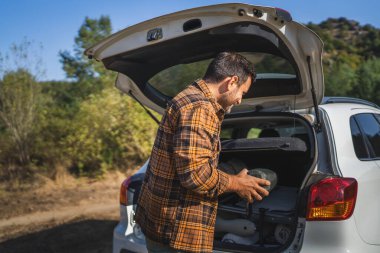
(123, 236)
(334, 236)
(303, 45)
(367, 173)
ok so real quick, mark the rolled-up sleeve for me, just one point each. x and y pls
(194, 139)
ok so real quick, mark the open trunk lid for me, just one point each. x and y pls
(141, 52)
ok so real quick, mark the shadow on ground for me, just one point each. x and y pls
(88, 236)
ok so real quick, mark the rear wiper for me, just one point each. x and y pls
(149, 112)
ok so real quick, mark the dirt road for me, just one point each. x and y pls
(73, 217)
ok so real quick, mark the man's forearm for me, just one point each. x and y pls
(202, 179)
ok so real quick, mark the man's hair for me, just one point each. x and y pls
(227, 64)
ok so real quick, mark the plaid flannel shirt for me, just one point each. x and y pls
(179, 196)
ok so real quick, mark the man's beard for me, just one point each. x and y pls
(228, 109)
(224, 101)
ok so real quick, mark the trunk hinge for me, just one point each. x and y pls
(317, 125)
(149, 112)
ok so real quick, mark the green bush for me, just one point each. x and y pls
(109, 131)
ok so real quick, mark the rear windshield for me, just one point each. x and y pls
(174, 79)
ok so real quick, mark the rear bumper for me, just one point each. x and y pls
(318, 236)
(127, 243)
(124, 239)
(334, 236)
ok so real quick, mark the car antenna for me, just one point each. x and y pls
(149, 112)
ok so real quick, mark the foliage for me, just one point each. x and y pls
(60, 106)
(19, 105)
(26, 56)
(110, 130)
(339, 80)
(368, 84)
(350, 58)
(21, 109)
(90, 76)
(107, 130)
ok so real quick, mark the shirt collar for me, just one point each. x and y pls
(202, 85)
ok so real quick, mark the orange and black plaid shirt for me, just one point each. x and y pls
(179, 196)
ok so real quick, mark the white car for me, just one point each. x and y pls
(324, 153)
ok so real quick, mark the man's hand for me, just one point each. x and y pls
(248, 187)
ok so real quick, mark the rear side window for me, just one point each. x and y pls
(377, 117)
(357, 139)
(370, 127)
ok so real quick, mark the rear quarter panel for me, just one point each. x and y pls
(366, 215)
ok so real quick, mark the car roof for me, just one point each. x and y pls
(351, 100)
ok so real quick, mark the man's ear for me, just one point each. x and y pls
(232, 82)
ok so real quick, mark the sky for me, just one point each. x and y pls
(53, 24)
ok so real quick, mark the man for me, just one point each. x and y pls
(179, 196)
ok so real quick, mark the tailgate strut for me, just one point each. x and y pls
(318, 123)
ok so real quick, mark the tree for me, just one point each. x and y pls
(368, 84)
(339, 79)
(19, 107)
(89, 76)
(20, 100)
(110, 131)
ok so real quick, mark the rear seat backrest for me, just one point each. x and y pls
(303, 137)
(268, 132)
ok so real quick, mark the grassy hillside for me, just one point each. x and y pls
(351, 58)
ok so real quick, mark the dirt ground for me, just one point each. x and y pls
(64, 215)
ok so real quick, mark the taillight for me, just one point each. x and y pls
(332, 199)
(123, 191)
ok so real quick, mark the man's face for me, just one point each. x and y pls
(234, 95)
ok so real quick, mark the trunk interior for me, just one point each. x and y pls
(282, 146)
